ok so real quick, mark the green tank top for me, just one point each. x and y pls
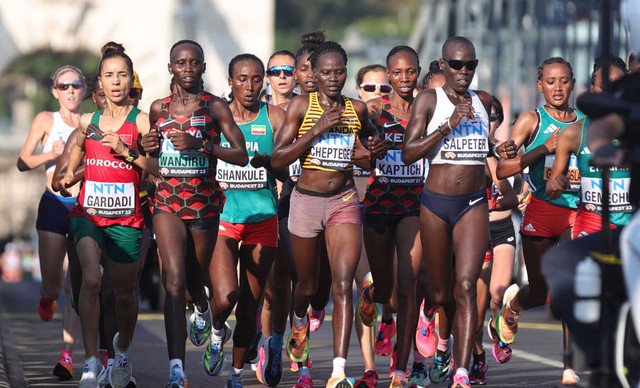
(540, 170)
(250, 192)
(591, 185)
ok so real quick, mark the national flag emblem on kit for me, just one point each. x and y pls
(198, 121)
(258, 129)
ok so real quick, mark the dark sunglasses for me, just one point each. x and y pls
(384, 88)
(135, 93)
(77, 85)
(458, 65)
(276, 70)
(494, 117)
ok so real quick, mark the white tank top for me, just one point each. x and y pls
(59, 131)
(468, 142)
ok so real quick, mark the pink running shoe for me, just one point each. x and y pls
(383, 344)
(501, 351)
(426, 334)
(460, 381)
(304, 382)
(316, 318)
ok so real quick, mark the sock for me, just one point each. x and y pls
(175, 363)
(479, 357)
(304, 371)
(443, 344)
(235, 372)
(218, 334)
(300, 322)
(199, 311)
(277, 339)
(424, 317)
(387, 321)
(417, 357)
(400, 373)
(338, 366)
(462, 371)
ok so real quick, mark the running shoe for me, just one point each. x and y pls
(293, 367)
(103, 356)
(262, 361)
(368, 310)
(120, 373)
(316, 318)
(298, 343)
(46, 309)
(64, 367)
(501, 351)
(177, 379)
(569, 377)
(339, 382)
(252, 355)
(369, 380)
(234, 381)
(92, 373)
(399, 382)
(460, 381)
(419, 377)
(213, 360)
(271, 370)
(426, 333)
(393, 362)
(507, 324)
(383, 344)
(442, 364)
(199, 326)
(477, 374)
(304, 382)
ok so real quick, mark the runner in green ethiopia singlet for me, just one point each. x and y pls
(591, 185)
(540, 170)
(250, 192)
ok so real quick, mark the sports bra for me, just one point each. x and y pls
(59, 131)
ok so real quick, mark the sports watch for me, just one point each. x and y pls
(133, 155)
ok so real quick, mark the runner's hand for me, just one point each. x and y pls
(377, 147)
(112, 140)
(151, 141)
(58, 148)
(181, 140)
(507, 149)
(556, 185)
(329, 118)
(552, 141)
(260, 160)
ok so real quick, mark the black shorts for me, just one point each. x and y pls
(502, 232)
(451, 208)
(382, 222)
(53, 213)
(196, 223)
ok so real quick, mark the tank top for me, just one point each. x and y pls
(540, 170)
(333, 150)
(110, 193)
(468, 142)
(394, 187)
(251, 192)
(187, 186)
(591, 185)
(59, 131)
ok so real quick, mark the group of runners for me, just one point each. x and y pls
(410, 194)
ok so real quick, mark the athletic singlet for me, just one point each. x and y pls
(59, 131)
(251, 192)
(110, 193)
(394, 188)
(187, 187)
(333, 150)
(468, 142)
(591, 185)
(540, 170)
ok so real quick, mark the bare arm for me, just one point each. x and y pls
(61, 166)
(77, 153)
(40, 128)
(568, 143)
(509, 198)
(416, 146)
(600, 134)
(276, 118)
(237, 151)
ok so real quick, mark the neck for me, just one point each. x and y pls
(243, 114)
(403, 102)
(560, 113)
(459, 95)
(323, 99)
(187, 95)
(277, 98)
(114, 109)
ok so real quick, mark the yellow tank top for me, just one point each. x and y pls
(333, 150)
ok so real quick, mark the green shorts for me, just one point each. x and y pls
(120, 243)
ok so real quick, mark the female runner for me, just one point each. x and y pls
(281, 76)
(325, 126)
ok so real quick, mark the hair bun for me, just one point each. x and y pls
(110, 47)
(313, 38)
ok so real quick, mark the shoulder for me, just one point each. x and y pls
(528, 119)
(43, 121)
(299, 103)
(426, 98)
(156, 106)
(573, 131)
(484, 97)
(275, 112)
(358, 105)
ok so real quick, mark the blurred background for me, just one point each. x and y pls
(37, 36)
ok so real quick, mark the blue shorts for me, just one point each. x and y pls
(53, 213)
(451, 208)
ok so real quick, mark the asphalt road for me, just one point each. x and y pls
(31, 348)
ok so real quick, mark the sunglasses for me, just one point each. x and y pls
(494, 117)
(458, 65)
(135, 93)
(384, 88)
(276, 70)
(77, 85)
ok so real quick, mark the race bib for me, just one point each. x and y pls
(332, 150)
(184, 163)
(574, 173)
(392, 170)
(619, 201)
(109, 199)
(466, 142)
(233, 177)
(295, 169)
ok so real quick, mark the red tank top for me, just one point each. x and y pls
(110, 193)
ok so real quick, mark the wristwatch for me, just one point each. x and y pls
(207, 147)
(133, 155)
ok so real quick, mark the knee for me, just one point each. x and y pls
(226, 300)
(439, 296)
(91, 284)
(306, 290)
(174, 287)
(466, 289)
(406, 290)
(342, 289)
